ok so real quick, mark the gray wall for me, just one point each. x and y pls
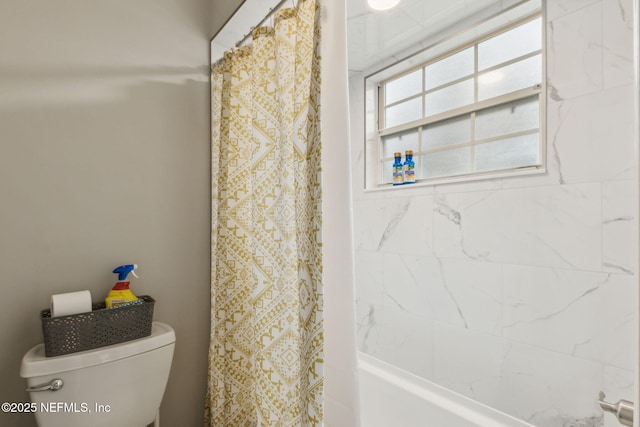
(104, 160)
(222, 11)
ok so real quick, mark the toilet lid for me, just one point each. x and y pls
(35, 363)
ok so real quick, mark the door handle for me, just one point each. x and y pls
(623, 409)
(53, 385)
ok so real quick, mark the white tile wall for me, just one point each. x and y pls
(558, 226)
(519, 292)
(574, 51)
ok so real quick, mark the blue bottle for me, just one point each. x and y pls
(409, 168)
(398, 169)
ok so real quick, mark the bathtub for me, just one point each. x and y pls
(392, 397)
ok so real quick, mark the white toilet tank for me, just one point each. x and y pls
(119, 385)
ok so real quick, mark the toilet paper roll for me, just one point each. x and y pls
(70, 303)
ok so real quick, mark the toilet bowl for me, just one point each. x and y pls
(119, 385)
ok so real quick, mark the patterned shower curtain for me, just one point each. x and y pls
(266, 347)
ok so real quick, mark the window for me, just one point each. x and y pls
(471, 111)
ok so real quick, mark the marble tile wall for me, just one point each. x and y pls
(519, 292)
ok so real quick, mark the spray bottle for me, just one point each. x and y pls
(121, 294)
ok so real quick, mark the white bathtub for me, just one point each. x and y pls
(391, 397)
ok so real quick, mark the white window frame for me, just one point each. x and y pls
(375, 105)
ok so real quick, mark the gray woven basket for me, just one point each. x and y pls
(97, 328)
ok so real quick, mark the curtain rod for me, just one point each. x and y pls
(270, 12)
(267, 16)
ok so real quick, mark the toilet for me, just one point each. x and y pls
(118, 385)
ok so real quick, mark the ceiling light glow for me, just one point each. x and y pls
(382, 4)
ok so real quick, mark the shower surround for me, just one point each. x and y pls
(519, 292)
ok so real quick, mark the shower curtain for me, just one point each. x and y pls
(266, 346)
